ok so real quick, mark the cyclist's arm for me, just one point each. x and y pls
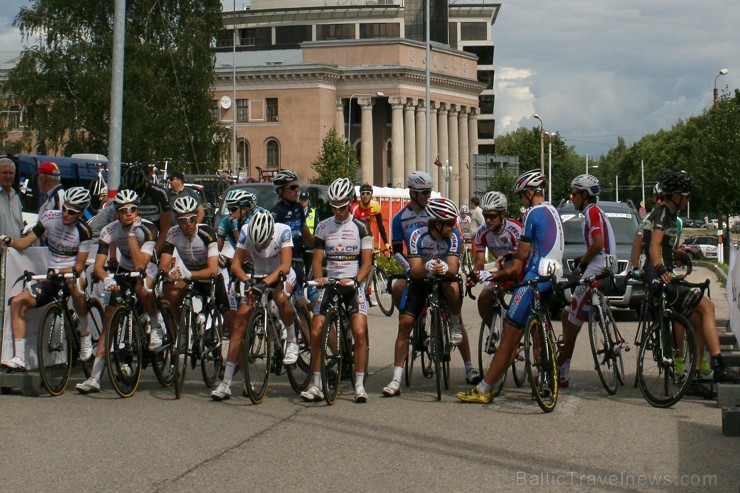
(597, 245)
(417, 268)
(480, 260)
(80, 262)
(211, 270)
(236, 264)
(307, 236)
(99, 269)
(453, 265)
(318, 258)
(366, 264)
(286, 260)
(656, 239)
(636, 250)
(164, 262)
(140, 259)
(164, 227)
(381, 229)
(24, 241)
(522, 254)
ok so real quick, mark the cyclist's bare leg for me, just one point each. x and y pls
(485, 300)
(451, 291)
(510, 337)
(570, 334)
(18, 308)
(358, 322)
(100, 350)
(397, 291)
(282, 300)
(174, 293)
(237, 329)
(317, 324)
(464, 346)
(405, 326)
(79, 303)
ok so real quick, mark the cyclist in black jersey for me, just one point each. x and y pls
(289, 211)
(154, 204)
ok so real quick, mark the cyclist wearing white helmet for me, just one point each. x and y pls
(178, 189)
(600, 255)
(240, 205)
(69, 240)
(540, 243)
(347, 244)
(465, 223)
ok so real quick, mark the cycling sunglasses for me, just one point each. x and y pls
(234, 208)
(70, 212)
(339, 207)
(187, 219)
(366, 193)
(126, 210)
(491, 217)
(423, 192)
(292, 187)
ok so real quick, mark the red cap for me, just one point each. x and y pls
(49, 168)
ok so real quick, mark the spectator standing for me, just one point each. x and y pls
(476, 213)
(50, 184)
(178, 189)
(11, 218)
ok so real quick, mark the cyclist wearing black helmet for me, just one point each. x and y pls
(367, 210)
(154, 204)
(289, 211)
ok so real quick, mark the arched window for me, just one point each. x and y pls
(273, 154)
(242, 155)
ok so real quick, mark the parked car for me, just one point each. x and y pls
(706, 243)
(693, 250)
(626, 293)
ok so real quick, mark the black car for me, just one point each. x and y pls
(625, 293)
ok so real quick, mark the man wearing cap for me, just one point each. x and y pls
(178, 189)
(50, 184)
(11, 217)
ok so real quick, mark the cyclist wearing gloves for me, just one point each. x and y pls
(600, 255)
(134, 238)
(348, 246)
(269, 247)
(540, 243)
(68, 242)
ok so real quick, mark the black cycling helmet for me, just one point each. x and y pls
(674, 182)
(134, 179)
(366, 187)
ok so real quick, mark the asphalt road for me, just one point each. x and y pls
(152, 442)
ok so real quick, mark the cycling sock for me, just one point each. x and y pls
(291, 332)
(83, 326)
(20, 348)
(468, 366)
(317, 378)
(97, 369)
(359, 378)
(229, 372)
(397, 373)
(483, 387)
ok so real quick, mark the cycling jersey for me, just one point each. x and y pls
(193, 253)
(343, 243)
(423, 246)
(465, 223)
(543, 229)
(64, 242)
(502, 242)
(291, 214)
(366, 214)
(405, 222)
(595, 222)
(153, 202)
(664, 219)
(266, 259)
(54, 200)
(116, 235)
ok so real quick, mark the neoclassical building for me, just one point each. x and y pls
(296, 72)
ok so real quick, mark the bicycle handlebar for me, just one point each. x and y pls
(52, 274)
(565, 284)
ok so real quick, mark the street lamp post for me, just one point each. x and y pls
(714, 94)
(349, 115)
(550, 135)
(542, 143)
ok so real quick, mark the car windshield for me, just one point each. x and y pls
(623, 224)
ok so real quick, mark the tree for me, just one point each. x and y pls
(63, 82)
(504, 183)
(335, 160)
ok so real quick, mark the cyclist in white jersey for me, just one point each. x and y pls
(270, 248)
(347, 244)
(134, 238)
(68, 241)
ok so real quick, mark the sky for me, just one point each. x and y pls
(592, 70)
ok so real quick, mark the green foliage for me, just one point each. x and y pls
(504, 183)
(64, 80)
(336, 160)
(389, 265)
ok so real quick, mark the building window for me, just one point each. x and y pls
(380, 30)
(335, 31)
(272, 109)
(242, 110)
(12, 117)
(273, 154)
(225, 39)
(484, 54)
(473, 31)
(242, 155)
(292, 36)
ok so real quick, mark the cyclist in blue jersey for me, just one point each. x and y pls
(541, 247)
(240, 204)
(290, 212)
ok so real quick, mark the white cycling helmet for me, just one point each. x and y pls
(77, 198)
(464, 209)
(261, 227)
(236, 197)
(341, 189)
(533, 179)
(419, 180)
(124, 197)
(494, 201)
(587, 183)
(185, 205)
(442, 209)
(657, 191)
(283, 177)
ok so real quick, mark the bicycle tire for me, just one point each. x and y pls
(162, 361)
(257, 352)
(408, 364)
(95, 327)
(382, 291)
(446, 351)
(487, 347)
(518, 367)
(211, 356)
(182, 347)
(542, 371)
(55, 350)
(332, 356)
(603, 346)
(435, 348)
(123, 352)
(659, 382)
(299, 374)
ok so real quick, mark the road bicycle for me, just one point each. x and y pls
(265, 344)
(58, 342)
(381, 284)
(127, 338)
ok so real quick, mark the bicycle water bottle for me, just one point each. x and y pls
(200, 323)
(144, 321)
(402, 262)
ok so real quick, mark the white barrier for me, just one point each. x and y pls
(733, 291)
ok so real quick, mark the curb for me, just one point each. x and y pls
(714, 268)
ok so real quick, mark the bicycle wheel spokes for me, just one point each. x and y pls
(519, 367)
(488, 340)
(95, 326)
(539, 356)
(123, 353)
(211, 358)
(436, 349)
(55, 350)
(182, 348)
(382, 291)
(600, 332)
(332, 356)
(257, 355)
(299, 374)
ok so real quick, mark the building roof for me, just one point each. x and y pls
(261, 58)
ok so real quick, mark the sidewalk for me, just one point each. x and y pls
(717, 290)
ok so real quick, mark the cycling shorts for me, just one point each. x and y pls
(680, 297)
(354, 300)
(520, 307)
(414, 298)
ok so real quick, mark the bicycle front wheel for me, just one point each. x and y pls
(666, 360)
(163, 362)
(603, 347)
(182, 348)
(257, 355)
(382, 291)
(436, 348)
(299, 374)
(539, 358)
(332, 355)
(211, 357)
(55, 350)
(96, 327)
(123, 352)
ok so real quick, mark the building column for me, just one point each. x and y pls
(397, 152)
(409, 136)
(462, 120)
(366, 145)
(421, 137)
(443, 149)
(454, 154)
(473, 142)
(339, 119)
(436, 170)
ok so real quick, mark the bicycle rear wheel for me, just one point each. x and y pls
(257, 355)
(436, 349)
(55, 350)
(382, 291)
(603, 347)
(519, 367)
(488, 339)
(96, 327)
(211, 357)
(332, 355)
(662, 380)
(182, 348)
(163, 362)
(539, 357)
(123, 352)
(299, 374)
